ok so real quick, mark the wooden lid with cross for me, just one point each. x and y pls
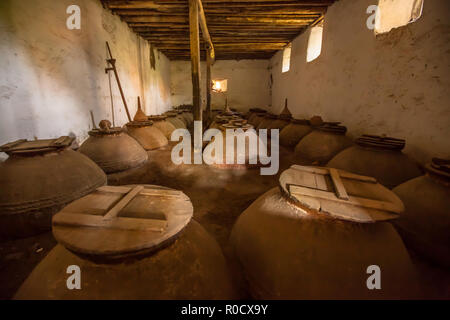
(340, 194)
(24, 146)
(116, 221)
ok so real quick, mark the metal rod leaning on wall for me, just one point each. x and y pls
(112, 62)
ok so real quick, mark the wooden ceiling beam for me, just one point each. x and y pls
(221, 20)
(285, 13)
(250, 46)
(216, 26)
(136, 4)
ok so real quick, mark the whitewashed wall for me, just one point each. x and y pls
(248, 83)
(397, 84)
(51, 77)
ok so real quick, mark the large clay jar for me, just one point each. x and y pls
(305, 241)
(149, 136)
(266, 121)
(224, 118)
(181, 117)
(248, 156)
(215, 112)
(163, 125)
(379, 157)
(322, 144)
(37, 180)
(187, 114)
(294, 132)
(425, 224)
(280, 122)
(217, 123)
(113, 150)
(256, 118)
(131, 242)
(173, 118)
(253, 112)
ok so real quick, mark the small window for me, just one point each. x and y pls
(393, 14)
(314, 43)
(219, 85)
(286, 59)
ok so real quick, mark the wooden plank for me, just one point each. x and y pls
(113, 212)
(114, 189)
(145, 192)
(338, 185)
(299, 191)
(343, 174)
(161, 193)
(122, 223)
(320, 182)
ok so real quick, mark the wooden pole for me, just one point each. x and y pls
(195, 67)
(112, 61)
(208, 86)
(206, 37)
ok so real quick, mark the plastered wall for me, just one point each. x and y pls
(51, 77)
(396, 84)
(248, 83)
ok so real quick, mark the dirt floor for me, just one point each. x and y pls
(218, 197)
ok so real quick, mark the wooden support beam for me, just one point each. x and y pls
(205, 32)
(208, 85)
(195, 66)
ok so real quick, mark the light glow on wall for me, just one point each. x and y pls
(397, 13)
(219, 85)
(314, 43)
(286, 59)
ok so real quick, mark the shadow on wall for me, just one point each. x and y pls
(13, 115)
(54, 76)
(45, 69)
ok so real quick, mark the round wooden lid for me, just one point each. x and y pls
(439, 168)
(231, 125)
(157, 117)
(258, 110)
(110, 131)
(301, 121)
(170, 114)
(113, 222)
(332, 127)
(380, 142)
(25, 147)
(139, 124)
(340, 194)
